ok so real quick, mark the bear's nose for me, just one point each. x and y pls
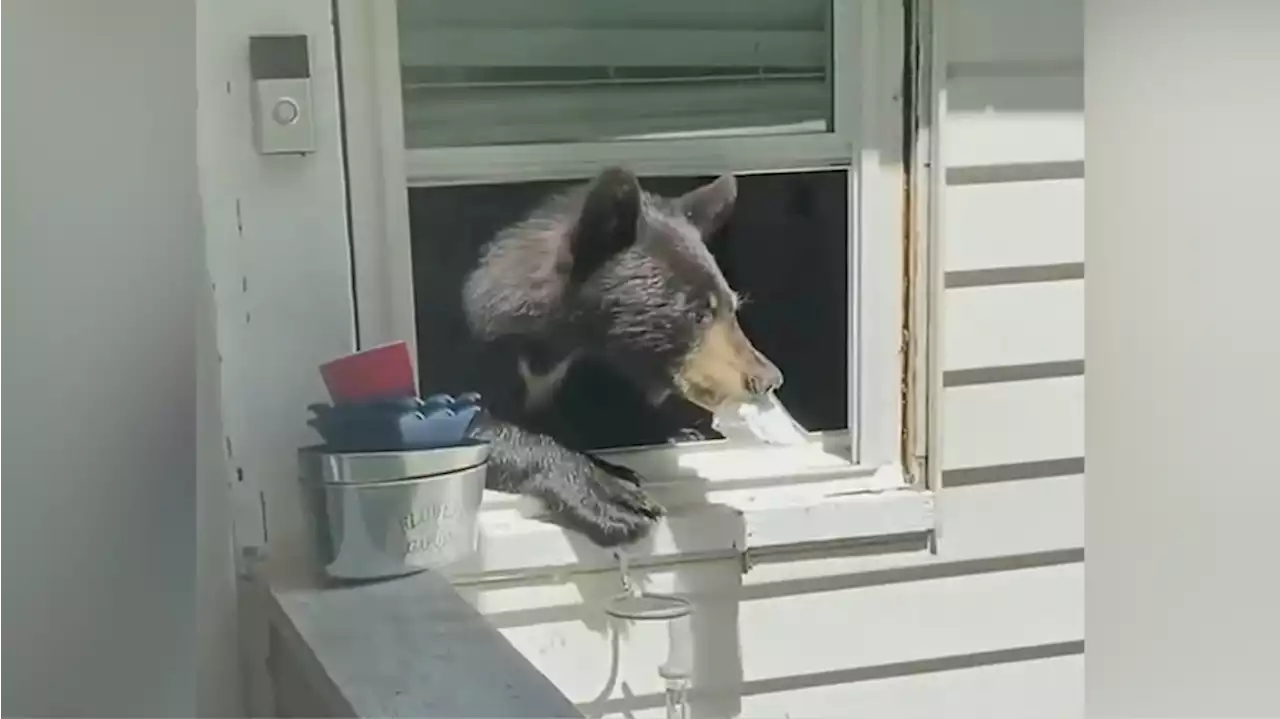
(765, 380)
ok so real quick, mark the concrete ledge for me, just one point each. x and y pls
(408, 647)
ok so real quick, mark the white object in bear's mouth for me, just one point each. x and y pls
(763, 420)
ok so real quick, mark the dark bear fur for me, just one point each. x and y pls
(605, 278)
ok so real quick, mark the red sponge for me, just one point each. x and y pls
(378, 373)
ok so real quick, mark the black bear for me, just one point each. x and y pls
(621, 279)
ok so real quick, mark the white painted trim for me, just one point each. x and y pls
(723, 524)
(850, 121)
(688, 156)
(277, 252)
(372, 114)
(877, 282)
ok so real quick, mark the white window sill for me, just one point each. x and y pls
(721, 502)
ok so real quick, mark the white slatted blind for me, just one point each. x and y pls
(497, 72)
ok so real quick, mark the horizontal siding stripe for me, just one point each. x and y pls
(1014, 275)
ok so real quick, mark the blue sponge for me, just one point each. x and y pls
(411, 423)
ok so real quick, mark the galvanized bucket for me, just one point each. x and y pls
(385, 514)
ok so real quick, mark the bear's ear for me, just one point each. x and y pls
(710, 205)
(608, 223)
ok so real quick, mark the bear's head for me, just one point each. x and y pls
(624, 275)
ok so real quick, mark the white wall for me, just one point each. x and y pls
(102, 236)
(1183, 401)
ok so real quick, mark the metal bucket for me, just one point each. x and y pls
(385, 514)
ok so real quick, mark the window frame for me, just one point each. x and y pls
(296, 244)
(380, 169)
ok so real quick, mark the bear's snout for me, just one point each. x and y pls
(725, 367)
(765, 379)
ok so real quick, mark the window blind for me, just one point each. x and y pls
(497, 72)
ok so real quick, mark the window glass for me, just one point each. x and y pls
(497, 72)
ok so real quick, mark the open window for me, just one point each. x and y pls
(460, 117)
